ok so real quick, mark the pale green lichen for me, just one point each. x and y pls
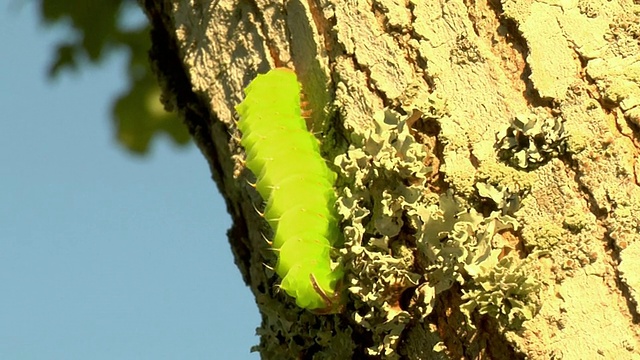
(532, 140)
(384, 176)
(418, 101)
(463, 246)
(384, 202)
(385, 172)
(286, 334)
(577, 246)
(424, 342)
(458, 241)
(505, 186)
(505, 290)
(544, 236)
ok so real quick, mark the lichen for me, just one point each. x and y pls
(465, 247)
(384, 176)
(286, 334)
(544, 236)
(387, 209)
(532, 140)
(504, 289)
(504, 186)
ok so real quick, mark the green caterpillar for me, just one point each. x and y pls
(297, 185)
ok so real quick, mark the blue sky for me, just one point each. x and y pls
(104, 255)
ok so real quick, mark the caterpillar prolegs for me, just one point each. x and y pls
(297, 185)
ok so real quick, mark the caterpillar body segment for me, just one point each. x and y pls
(297, 186)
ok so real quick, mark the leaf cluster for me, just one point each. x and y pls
(99, 29)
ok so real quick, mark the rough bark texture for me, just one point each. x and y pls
(472, 67)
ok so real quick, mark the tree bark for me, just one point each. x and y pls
(526, 110)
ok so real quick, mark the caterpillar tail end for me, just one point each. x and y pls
(334, 303)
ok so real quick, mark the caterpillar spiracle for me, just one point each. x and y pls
(297, 186)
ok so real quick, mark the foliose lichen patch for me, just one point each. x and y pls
(384, 173)
(463, 246)
(398, 235)
(504, 289)
(531, 140)
(503, 185)
(296, 335)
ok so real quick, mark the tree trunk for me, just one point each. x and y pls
(491, 213)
